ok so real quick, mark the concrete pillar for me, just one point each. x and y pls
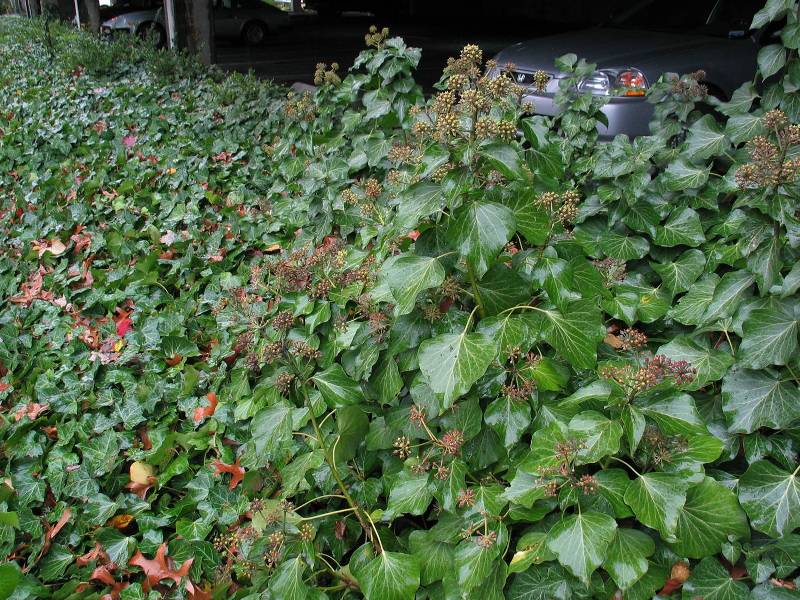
(93, 11)
(201, 29)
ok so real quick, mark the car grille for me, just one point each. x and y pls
(525, 78)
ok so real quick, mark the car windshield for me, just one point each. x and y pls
(710, 17)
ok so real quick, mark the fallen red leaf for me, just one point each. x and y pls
(413, 234)
(201, 412)
(4, 386)
(236, 471)
(31, 410)
(120, 521)
(174, 360)
(95, 554)
(103, 575)
(124, 326)
(196, 592)
(159, 568)
(139, 489)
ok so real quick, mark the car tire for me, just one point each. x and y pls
(153, 31)
(254, 33)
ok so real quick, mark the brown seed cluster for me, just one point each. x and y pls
(323, 75)
(635, 379)
(689, 87)
(375, 38)
(771, 162)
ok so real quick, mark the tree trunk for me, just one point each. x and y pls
(200, 17)
(93, 11)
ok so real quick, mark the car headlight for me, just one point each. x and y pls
(615, 82)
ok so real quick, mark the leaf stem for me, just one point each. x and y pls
(317, 499)
(375, 529)
(327, 514)
(626, 464)
(475, 293)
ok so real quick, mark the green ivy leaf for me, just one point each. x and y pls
(408, 276)
(627, 557)
(679, 275)
(10, 577)
(287, 583)
(709, 363)
(706, 139)
(771, 498)
(682, 175)
(410, 493)
(711, 517)
(540, 582)
(435, 557)
(575, 333)
(452, 363)
(509, 418)
(771, 59)
(474, 562)
(770, 336)
(502, 288)
(505, 158)
(656, 499)
(682, 228)
(599, 435)
(728, 295)
(479, 230)
(581, 542)
(710, 580)
(337, 388)
(390, 576)
(755, 399)
(623, 247)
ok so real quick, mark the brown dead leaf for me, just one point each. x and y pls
(31, 410)
(236, 471)
(120, 521)
(159, 568)
(201, 412)
(612, 341)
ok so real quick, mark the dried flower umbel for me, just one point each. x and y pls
(772, 162)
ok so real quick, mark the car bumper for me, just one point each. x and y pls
(630, 116)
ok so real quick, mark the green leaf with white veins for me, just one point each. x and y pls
(770, 336)
(706, 138)
(771, 498)
(711, 517)
(755, 399)
(728, 295)
(474, 562)
(509, 418)
(479, 231)
(709, 363)
(452, 363)
(581, 542)
(711, 581)
(599, 436)
(287, 583)
(509, 330)
(408, 276)
(682, 228)
(410, 493)
(771, 59)
(682, 175)
(337, 388)
(390, 576)
(679, 275)
(435, 557)
(575, 333)
(627, 557)
(656, 499)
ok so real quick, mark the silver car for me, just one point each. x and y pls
(248, 20)
(640, 44)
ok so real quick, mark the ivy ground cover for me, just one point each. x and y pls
(357, 343)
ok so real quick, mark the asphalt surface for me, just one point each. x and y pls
(290, 56)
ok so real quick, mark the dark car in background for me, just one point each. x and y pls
(249, 21)
(636, 47)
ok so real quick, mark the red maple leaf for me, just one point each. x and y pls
(124, 326)
(201, 412)
(159, 568)
(236, 471)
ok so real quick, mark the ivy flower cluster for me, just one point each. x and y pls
(771, 161)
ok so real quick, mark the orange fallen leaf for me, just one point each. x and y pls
(272, 248)
(4, 386)
(31, 410)
(201, 412)
(120, 521)
(236, 471)
(612, 341)
(413, 234)
(139, 489)
(97, 553)
(196, 592)
(159, 568)
(174, 360)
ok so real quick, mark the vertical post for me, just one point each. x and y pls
(77, 15)
(201, 15)
(169, 17)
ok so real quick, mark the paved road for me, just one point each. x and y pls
(292, 55)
